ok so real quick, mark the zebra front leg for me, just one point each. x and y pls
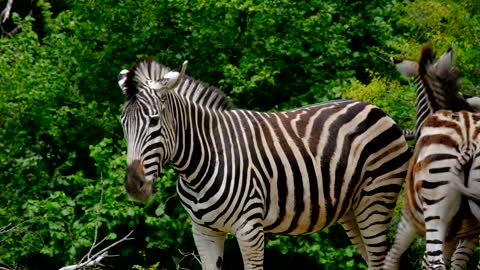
(406, 233)
(250, 238)
(210, 247)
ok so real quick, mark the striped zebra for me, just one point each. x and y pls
(436, 200)
(249, 173)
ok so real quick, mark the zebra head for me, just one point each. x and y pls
(440, 68)
(439, 79)
(144, 87)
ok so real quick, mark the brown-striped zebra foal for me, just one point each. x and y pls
(251, 173)
(446, 161)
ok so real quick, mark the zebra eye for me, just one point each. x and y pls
(153, 121)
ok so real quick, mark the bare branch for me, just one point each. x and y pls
(186, 255)
(388, 60)
(97, 224)
(95, 259)
(4, 266)
(6, 11)
(8, 228)
(15, 30)
(90, 260)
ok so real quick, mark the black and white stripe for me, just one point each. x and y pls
(251, 173)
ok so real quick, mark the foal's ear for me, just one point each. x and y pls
(122, 79)
(444, 64)
(407, 68)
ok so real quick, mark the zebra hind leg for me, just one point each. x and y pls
(210, 247)
(350, 225)
(251, 240)
(463, 252)
(439, 209)
(404, 237)
(373, 219)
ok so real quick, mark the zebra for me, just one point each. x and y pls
(249, 173)
(442, 158)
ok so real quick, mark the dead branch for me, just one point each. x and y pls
(186, 255)
(15, 30)
(95, 259)
(5, 14)
(97, 223)
(90, 260)
(8, 228)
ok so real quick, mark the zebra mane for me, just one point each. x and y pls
(203, 94)
(142, 74)
(149, 74)
(441, 81)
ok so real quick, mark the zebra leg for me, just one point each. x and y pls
(210, 247)
(373, 218)
(448, 250)
(250, 238)
(350, 225)
(463, 252)
(437, 219)
(406, 233)
(447, 254)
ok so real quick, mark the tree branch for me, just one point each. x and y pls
(186, 255)
(95, 259)
(90, 260)
(5, 14)
(97, 223)
(7, 229)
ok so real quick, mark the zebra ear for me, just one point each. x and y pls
(407, 68)
(173, 79)
(474, 102)
(444, 64)
(170, 79)
(122, 79)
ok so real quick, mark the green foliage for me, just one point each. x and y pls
(326, 248)
(62, 154)
(443, 23)
(396, 100)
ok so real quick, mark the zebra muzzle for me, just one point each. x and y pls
(136, 185)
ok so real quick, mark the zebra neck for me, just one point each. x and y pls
(194, 129)
(425, 106)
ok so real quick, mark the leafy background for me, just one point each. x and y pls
(62, 147)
